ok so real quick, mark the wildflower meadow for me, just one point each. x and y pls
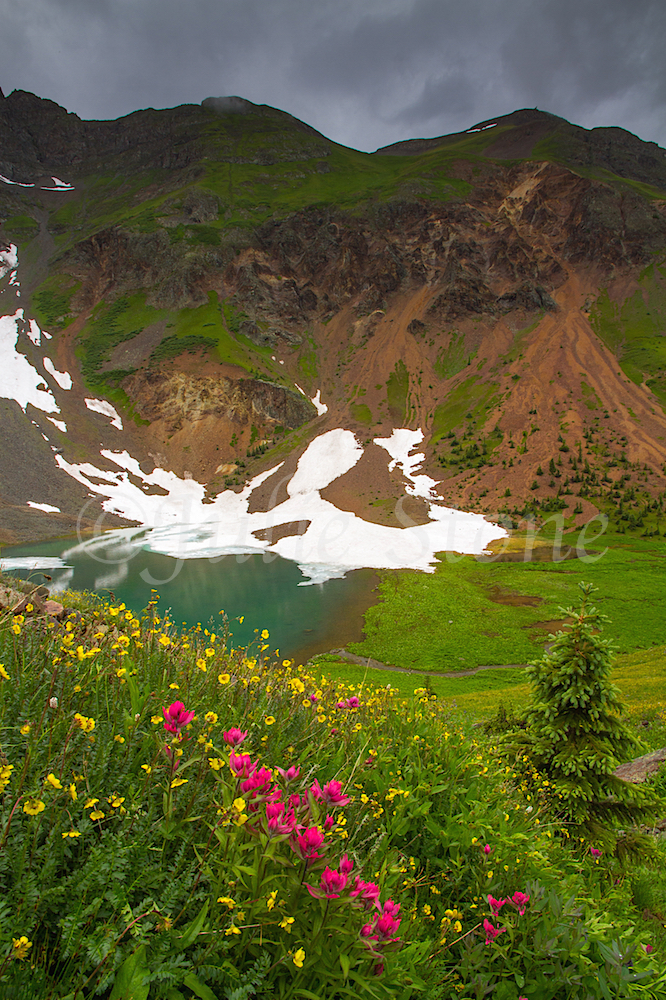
(181, 819)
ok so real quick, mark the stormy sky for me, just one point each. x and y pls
(364, 72)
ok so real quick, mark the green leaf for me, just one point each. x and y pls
(345, 965)
(173, 994)
(129, 979)
(198, 988)
(192, 931)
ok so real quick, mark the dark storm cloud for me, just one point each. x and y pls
(364, 72)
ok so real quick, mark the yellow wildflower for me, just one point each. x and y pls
(118, 738)
(71, 833)
(33, 807)
(90, 803)
(115, 801)
(20, 946)
(227, 901)
(224, 678)
(174, 687)
(25, 729)
(201, 664)
(53, 781)
(156, 719)
(211, 718)
(147, 768)
(216, 763)
(271, 899)
(286, 923)
(73, 792)
(299, 958)
(269, 720)
(97, 814)
(3, 672)
(179, 781)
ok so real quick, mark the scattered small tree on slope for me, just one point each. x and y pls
(575, 735)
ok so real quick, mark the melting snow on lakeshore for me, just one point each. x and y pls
(101, 406)
(46, 507)
(177, 521)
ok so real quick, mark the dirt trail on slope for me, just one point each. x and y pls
(367, 661)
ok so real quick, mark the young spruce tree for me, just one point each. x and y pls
(576, 737)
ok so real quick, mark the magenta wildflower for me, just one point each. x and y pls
(290, 774)
(487, 850)
(496, 904)
(332, 794)
(368, 892)
(595, 852)
(279, 819)
(520, 901)
(353, 702)
(329, 823)
(307, 843)
(176, 717)
(648, 948)
(332, 884)
(492, 932)
(256, 780)
(241, 764)
(234, 737)
(346, 864)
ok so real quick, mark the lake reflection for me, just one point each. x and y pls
(262, 588)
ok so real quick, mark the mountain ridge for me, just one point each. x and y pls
(513, 307)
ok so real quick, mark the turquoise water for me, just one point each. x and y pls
(263, 589)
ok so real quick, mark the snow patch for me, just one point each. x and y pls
(46, 507)
(64, 379)
(60, 424)
(101, 406)
(17, 183)
(8, 260)
(18, 379)
(59, 185)
(34, 333)
(399, 445)
(317, 403)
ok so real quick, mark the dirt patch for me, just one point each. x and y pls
(499, 596)
(547, 627)
(275, 532)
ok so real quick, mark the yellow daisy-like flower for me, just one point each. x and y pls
(299, 958)
(265, 633)
(227, 901)
(90, 803)
(3, 672)
(73, 792)
(33, 807)
(210, 652)
(115, 801)
(147, 768)
(71, 833)
(269, 720)
(239, 805)
(231, 930)
(179, 781)
(201, 664)
(211, 718)
(164, 640)
(156, 719)
(20, 947)
(216, 763)
(16, 628)
(118, 738)
(53, 781)
(121, 672)
(97, 814)
(285, 924)
(224, 678)
(25, 729)
(174, 687)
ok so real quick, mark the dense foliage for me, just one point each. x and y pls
(181, 819)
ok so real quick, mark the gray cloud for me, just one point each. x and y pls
(364, 72)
